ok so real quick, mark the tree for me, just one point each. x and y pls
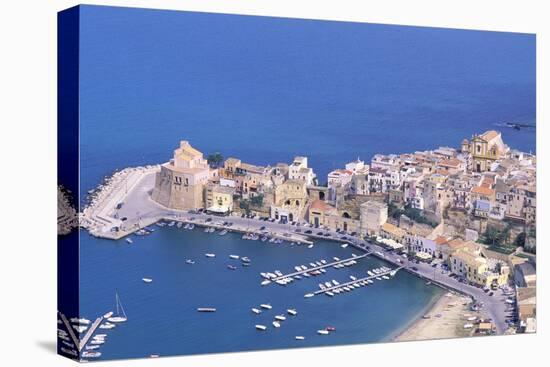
(215, 160)
(257, 200)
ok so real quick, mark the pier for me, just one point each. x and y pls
(328, 289)
(290, 275)
(69, 330)
(90, 332)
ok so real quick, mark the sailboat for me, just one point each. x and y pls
(120, 315)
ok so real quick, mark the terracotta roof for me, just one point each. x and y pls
(483, 191)
(321, 206)
(390, 228)
(440, 240)
(453, 162)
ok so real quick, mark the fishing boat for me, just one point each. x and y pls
(120, 314)
(210, 255)
(299, 337)
(322, 332)
(276, 324)
(129, 240)
(261, 327)
(245, 259)
(292, 311)
(236, 257)
(147, 280)
(256, 311)
(280, 317)
(266, 306)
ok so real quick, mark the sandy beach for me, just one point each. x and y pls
(445, 319)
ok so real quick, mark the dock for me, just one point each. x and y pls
(290, 275)
(90, 332)
(328, 289)
(70, 330)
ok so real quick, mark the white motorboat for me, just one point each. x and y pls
(299, 337)
(318, 263)
(147, 280)
(344, 245)
(352, 277)
(312, 265)
(120, 314)
(292, 311)
(76, 320)
(107, 326)
(91, 354)
(309, 295)
(278, 273)
(129, 240)
(80, 328)
(322, 270)
(256, 311)
(97, 342)
(297, 268)
(223, 233)
(107, 315)
(385, 277)
(280, 318)
(261, 327)
(335, 282)
(322, 332)
(328, 284)
(310, 246)
(236, 257)
(189, 261)
(210, 255)
(330, 294)
(92, 347)
(266, 306)
(276, 324)
(323, 261)
(370, 273)
(266, 282)
(369, 281)
(336, 258)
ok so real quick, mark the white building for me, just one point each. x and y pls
(299, 170)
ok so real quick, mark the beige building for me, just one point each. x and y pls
(299, 170)
(219, 199)
(322, 214)
(470, 263)
(373, 215)
(181, 181)
(484, 150)
(290, 200)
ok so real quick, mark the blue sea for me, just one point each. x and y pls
(265, 90)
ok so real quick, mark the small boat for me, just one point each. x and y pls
(245, 264)
(129, 240)
(344, 245)
(154, 356)
(107, 315)
(336, 258)
(210, 255)
(87, 354)
(312, 265)
(147, 280)
(179, 224)
(245, 259)
(266, 282)
(297, 268)
(280, 317)
(309, 295)
(261, 327)
(330, 294)
(189, 261)
(276, 324)
(310, 246)
(330, 328)
(299, 337)
(292, 311)
(335, 282)
(97, 342)
(76, 320)
(231, 267)
(266, 306)
(80, 328)
(256, 311)
(120, 314)
(236, 257)
(385, 277)
(224, 232)
(206, 309)
(107, 326)
(191, 226)
(323, 332)
(92, 347)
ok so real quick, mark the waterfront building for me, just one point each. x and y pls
(322, 214)
(391, 231)
(471, 264)
(373, 215)
(218, 198)
(484, 150)
(290, 201)
(180, 182)
(299, 170)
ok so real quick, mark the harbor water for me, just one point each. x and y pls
(163, 317)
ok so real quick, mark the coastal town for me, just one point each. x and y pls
(463, 218)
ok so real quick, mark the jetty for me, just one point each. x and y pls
(90, 332)
(290, 275)
(352, 282)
